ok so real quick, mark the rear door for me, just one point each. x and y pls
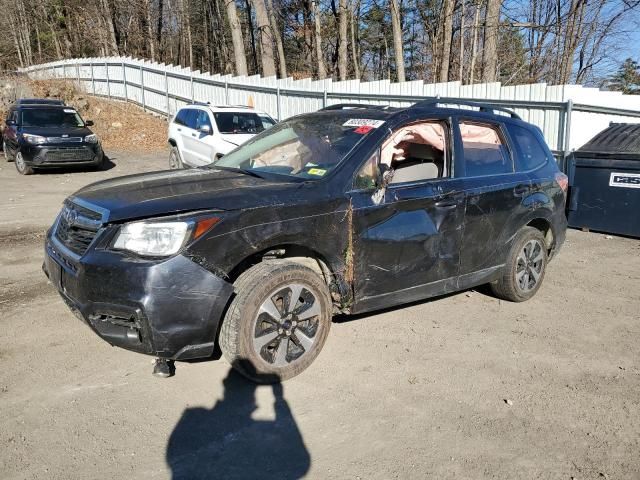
(494, 195)
(188, 134)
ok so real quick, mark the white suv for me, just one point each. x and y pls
(201, 133)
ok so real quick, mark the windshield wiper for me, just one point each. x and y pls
(246, 171)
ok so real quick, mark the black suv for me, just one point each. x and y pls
(46, 133)
(346, 210)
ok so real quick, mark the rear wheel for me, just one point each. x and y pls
(21, 166)
(278, 321)
(525, 267)
(175, 162)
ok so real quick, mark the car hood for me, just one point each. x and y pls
(57, 131)
(174, 191)
(236, 138)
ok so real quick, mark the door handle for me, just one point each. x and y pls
(193, 134)
(521, 190)
(446, 204)
(179, 129)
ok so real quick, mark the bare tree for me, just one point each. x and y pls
(446, 39)
(267, 54)
(317, 34)
(236, 37)
(343, 40)
(490, 54)
(398, 48)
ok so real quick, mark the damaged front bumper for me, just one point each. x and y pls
(170, 308)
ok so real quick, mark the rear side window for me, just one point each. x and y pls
(485, 153)
(531, 154)
(181, 117)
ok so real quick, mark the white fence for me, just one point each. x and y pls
(568, 115)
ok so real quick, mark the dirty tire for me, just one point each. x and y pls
(266, 349)
(175, 161)
(22, 167)
(528, 245)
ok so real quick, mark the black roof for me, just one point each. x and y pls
(617, 138)
(38, 101)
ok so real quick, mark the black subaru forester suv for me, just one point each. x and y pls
(346, 210)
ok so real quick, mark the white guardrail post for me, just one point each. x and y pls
(124, 81)
(144, 107)
(166, 91)
(106, 70)
(93, 78)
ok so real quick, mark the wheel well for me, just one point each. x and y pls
(545, 227)
(172, 142)
(302, 255)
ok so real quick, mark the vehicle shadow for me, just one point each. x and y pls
(107, 165)
(224, 442)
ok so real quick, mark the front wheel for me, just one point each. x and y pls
(525, 268)
(278, 321)
(21, 165)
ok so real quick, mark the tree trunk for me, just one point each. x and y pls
(267, 54)
(474, 44)
(236, 38)
(492, 23)
(355, 52)
(343, 40)
(317, 34)
(282, 61)
(446, 40)
(108, 17)
(149, 25)
(461, 60)
(398, 48)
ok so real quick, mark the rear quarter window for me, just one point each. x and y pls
(530, 153)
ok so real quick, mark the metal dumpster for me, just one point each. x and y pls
(604, 182)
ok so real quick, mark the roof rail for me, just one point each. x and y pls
(482, 107)
(204, 104)
(357, 106)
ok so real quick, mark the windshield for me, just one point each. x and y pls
(51, 117)
(238, 122)
(306, 147)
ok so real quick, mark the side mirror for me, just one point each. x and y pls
(205, 129)
(89, 123)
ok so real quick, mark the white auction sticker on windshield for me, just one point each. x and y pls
(69, 110)
(363, 122)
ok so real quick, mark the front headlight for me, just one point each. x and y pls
(34, 139)
(93, 138)
(155, 239)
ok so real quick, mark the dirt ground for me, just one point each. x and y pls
(463, 387)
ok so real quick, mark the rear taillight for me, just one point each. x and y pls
(563, 181)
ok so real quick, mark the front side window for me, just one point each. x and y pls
(51, 117)
(202, 120)
(416, 152)
(307, 147)
(484, 151)
(238, 122)
(530, 153)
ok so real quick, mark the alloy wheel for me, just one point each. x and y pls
(530, 265)
(287, 324)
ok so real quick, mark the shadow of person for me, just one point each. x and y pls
(226, 443)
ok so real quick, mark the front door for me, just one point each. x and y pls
(406, 239)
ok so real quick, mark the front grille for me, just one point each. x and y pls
(70, 154)
(77, 227)
(64, 139)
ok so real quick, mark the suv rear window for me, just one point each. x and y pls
(484, 151)
(530, 153)
(51, 117)
(238, 122)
